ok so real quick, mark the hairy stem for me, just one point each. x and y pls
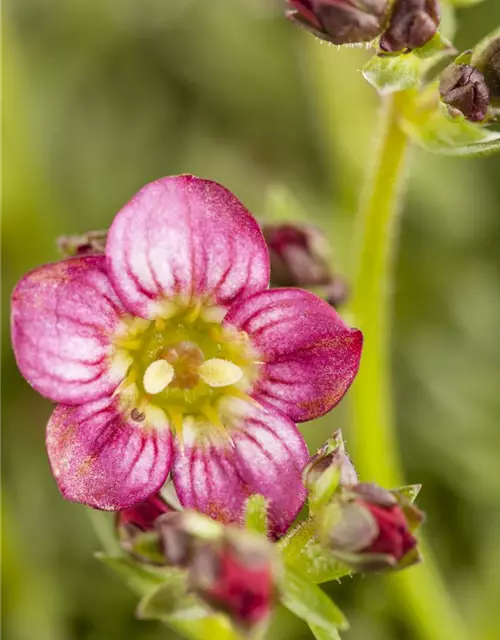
(419, 591)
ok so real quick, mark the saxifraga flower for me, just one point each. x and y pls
(170, 354)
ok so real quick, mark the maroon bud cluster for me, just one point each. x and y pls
(340, 21)
(463, 87)
(412, 24)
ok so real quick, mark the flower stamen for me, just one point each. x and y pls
(217, 372)
(158, 376)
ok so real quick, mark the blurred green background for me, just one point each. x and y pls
(102, 96)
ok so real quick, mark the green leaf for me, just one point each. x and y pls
(409, 491)
(171, 600)
(393, 73)
(438, 131)
(324, 634)
(146, 546)
(256, 514)
(308, 602)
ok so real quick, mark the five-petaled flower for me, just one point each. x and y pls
(170, 354)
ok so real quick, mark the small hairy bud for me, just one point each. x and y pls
(331, 455)
(463, 87)
(340, 21)
(299, 255)
(370, 528)
(411, 25)
(489, 63)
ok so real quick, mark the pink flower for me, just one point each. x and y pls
(169, 354)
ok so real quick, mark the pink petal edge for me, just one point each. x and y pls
(103, 459)
(62, 317)
(187, 236)
(311, 357)
(263, 452)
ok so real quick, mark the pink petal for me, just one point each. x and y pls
(262, 452)
(185, 235)
(62, 317)
(311, 357)
(102, 458)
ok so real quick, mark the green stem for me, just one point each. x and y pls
(419, 591)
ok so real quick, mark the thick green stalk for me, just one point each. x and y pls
(419, 591)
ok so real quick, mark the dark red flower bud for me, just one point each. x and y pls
(411, 25)
(340, 21)
(487, 60)
(370, 529)
(244, 583)
(232, 570)
(91, 243)
(463, 87)
(142, 517)
(299, 255)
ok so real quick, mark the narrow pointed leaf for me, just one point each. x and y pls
(308, 602)
(256, 514)
(393, 73)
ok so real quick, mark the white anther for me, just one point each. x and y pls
(158, 376)
(217, 372)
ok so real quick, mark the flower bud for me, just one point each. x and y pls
(299, 255)
(337, 291)
(488, 61)
(330, 457)
(463, 87)
(340, 21)
(370, 529)
(243, 585)
(141, 517)
(91, 243)
(231, 570)
(411, 25)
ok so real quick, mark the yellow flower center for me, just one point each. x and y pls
(182, 364)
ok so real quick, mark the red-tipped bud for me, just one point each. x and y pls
(232, 570)
(370, 529)
(340, 21)
(299, 255)
(411, 25)
(463, 87)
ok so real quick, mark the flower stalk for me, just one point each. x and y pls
(373, 439)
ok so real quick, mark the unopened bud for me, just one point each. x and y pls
(337, 291)
(370, 529)
(340, 21)
(331, 456)
(299, 255)
(91, 243)
(411, 25)
(463, 87)
(231, 570)
(243, 585)
(487, 60)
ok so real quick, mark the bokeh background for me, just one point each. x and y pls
(102, 96)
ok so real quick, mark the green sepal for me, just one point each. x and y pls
(302, 552)
(171, 599)
(146, 547)
(324, 488)
(140, 578)
(437, 47)
(409, 491)
(391, 73)
(256, 514)
(307, 601)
